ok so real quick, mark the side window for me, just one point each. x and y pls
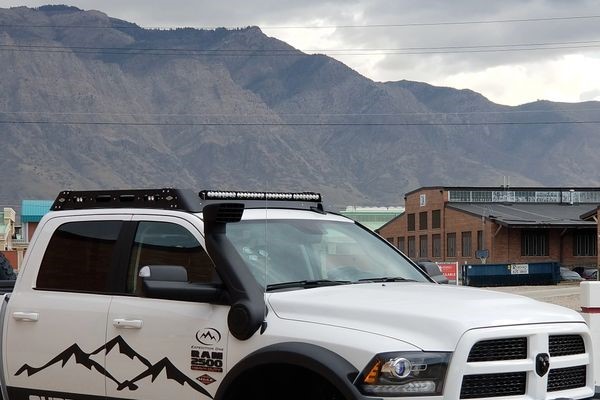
(79, 257)
(164, 243)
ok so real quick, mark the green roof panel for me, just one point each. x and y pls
(34, 210)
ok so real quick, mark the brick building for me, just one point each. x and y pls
(511, 225)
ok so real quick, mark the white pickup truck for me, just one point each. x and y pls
(170, 294)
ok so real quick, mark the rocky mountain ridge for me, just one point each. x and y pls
(93, 102)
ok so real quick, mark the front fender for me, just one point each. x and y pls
(329, 365)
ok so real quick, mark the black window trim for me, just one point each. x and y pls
(123, 250)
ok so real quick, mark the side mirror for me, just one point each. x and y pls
(170, 282)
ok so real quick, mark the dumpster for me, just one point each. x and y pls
(542, 273)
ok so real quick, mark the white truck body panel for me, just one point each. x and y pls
(404, 310)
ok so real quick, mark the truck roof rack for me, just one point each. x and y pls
(166, 198)
(177, 199)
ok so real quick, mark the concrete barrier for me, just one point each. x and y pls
(590, 308)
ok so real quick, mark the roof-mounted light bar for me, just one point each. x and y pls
(275, 196)
(167, 198)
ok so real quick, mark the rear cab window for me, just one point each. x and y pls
(79, 257)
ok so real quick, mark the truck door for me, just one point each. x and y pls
(56, 318)
(166, 348)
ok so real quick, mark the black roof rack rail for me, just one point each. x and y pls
(166, 198)
(182, 200)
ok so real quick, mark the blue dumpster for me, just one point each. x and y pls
(542, 273)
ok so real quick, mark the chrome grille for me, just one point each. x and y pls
(493, 385)
(499, 349)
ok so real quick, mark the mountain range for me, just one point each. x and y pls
(93, 102)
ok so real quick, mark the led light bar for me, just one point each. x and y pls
(275, 196)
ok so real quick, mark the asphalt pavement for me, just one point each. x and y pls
(563, 294)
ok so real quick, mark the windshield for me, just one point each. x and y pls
(297, 250)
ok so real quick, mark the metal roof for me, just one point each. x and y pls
(34, 210)
(530, 215)
(372, 217)
(511, 188)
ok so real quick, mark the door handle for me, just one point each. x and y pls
(128, 323)
(26, 316)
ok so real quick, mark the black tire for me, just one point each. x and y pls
(291, 384)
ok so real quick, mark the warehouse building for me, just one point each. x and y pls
(498, 225)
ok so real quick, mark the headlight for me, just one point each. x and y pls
(405, 374)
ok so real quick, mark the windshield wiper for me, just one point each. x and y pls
(306, 284)
(386, 279)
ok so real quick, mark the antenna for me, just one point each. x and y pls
(264, 324)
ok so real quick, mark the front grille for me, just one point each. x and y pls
(493, 385)
(566, 378)
(499, 349)
(566, 345)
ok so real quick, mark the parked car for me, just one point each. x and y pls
(434, 271)
(587, 273)
(571, 276)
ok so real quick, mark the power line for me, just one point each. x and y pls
(441, 23)
(111, 123)
(291, 53)
(347, 26)
(293, 50)
(315, 115)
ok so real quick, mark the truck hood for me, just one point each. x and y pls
(428, 316)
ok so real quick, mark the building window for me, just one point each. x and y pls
(423, 220)
(480, 244)
(534, 243)
(410, 222)
(466, 244)
(391, 240)
(411, 246)
(401, 244)
(436, 245)
(423, 246)
(436, 219)
(451, 245)
(585, 244)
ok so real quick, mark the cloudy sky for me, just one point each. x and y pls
(511, 51)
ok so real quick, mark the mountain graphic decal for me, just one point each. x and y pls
(82, 358)
(73, 351)
(172, 373)
(124, 349)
